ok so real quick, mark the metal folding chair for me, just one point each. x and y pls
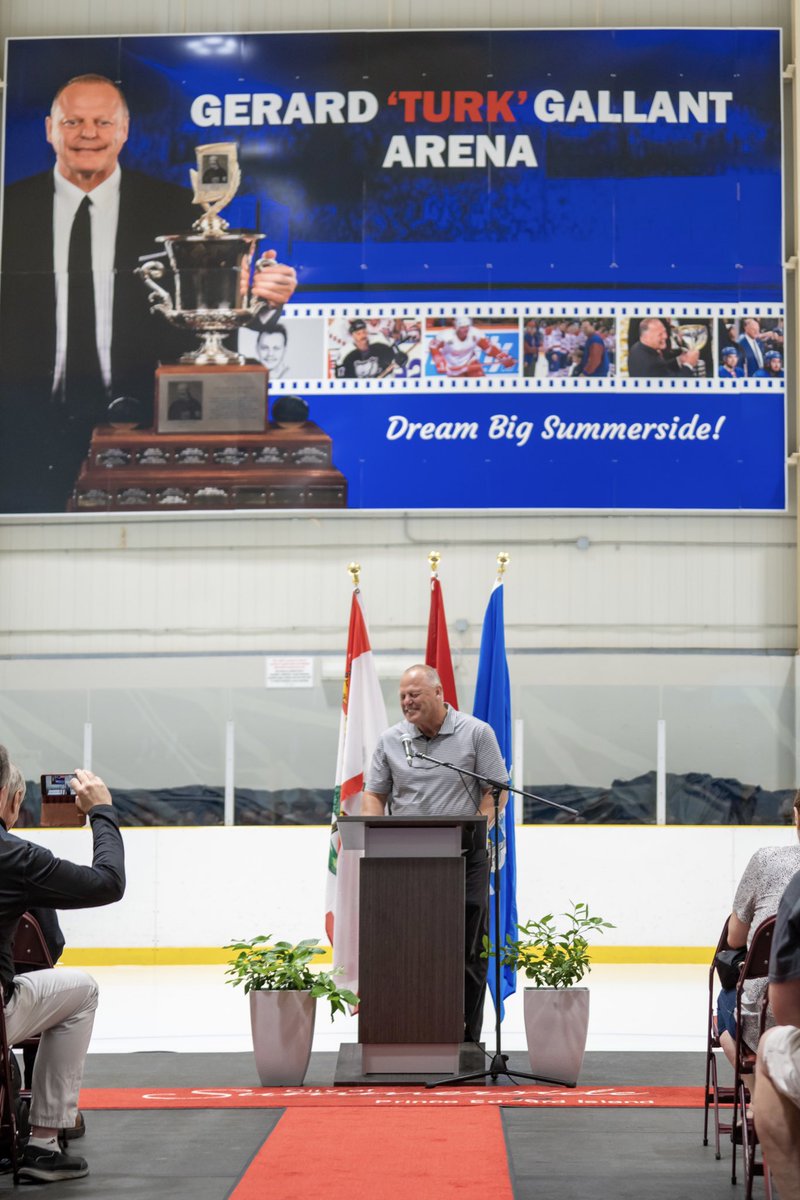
(30, 948)
(30, 953)
(8, 1117)
(756, 966)
(715, 1095)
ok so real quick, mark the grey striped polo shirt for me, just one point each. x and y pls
(423, 789)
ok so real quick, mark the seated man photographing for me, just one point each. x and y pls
(58, 1004)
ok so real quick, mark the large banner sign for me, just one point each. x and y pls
(537, 270)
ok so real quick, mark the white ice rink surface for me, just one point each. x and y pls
(191, 1009)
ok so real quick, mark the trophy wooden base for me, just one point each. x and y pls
(139, 470)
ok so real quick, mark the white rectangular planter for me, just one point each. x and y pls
(283, 1030)
(556, 1027)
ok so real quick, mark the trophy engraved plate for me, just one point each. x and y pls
(231, 456)
(310, 456)
(94, 498)
(211, 399)
(172, 497)
(133, 498)
(113, 458)
(153, 456)
(211, 497)
(191, 456)
(269, 456)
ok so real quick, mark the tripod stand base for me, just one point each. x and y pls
(497, 1067)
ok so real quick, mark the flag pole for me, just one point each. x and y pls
(437, 645)
(499, 1061)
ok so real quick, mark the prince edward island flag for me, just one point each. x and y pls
(362, 722)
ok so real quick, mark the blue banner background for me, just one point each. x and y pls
(744, 468)
(618, 211)
(679, 215)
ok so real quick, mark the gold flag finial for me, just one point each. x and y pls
(434, 558)
(354, 569)
(503, 560)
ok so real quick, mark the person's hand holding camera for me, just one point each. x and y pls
(89, 791)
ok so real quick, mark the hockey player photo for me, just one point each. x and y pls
(463, 348)
(570, 346)
(773, 366)
(730, 367)
(373, 348)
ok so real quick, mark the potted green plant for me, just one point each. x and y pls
(554, 957)
(283, 997)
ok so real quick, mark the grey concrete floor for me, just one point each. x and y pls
(554, 1154)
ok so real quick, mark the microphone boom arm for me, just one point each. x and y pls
(491, 783)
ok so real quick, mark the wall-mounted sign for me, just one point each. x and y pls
(538, 269)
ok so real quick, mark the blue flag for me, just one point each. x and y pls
(493, 705)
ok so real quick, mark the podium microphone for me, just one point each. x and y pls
(410, 755)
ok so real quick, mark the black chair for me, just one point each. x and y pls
(31, 953)
(30, 948)
(719, 1097)
(8, 1117)
(755, 966)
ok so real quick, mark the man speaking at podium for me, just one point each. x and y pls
(416, 788)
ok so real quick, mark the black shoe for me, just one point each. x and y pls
(49, 1166)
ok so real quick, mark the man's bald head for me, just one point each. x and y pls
(428, 674)
(5, 768)
(422, 699)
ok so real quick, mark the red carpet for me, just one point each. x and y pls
(622, 1096)
(408, 1155)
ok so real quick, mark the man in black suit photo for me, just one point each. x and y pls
(650, 356)
(75, 326)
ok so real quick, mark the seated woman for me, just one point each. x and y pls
(757, 897)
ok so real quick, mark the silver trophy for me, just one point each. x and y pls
(207, 264)
(691, 337)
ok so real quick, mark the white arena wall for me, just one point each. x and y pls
(190, 891)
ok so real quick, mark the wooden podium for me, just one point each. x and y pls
(411, 941)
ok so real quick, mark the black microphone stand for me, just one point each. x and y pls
(499, 1064)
